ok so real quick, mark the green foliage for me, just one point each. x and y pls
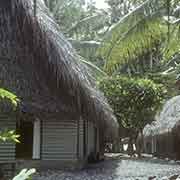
(9, 135)
(25, 174)
(119, 8)
(134, 36)
(12, 100)
(130, 47)
(8, 96)
(78, 19)
(172, 45)
(91, 26)
(66, 12)
(137, 34)
(135, 101)
(168, 81)
(82, 23)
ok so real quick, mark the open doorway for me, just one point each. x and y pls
(177, 146)
(24, 149)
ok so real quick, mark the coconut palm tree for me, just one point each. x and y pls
(143, 39)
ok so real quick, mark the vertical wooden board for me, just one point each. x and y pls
(81, 142)
(97, 141)
(7, 149)
(36, 139)
(59, 140)
(153, 145)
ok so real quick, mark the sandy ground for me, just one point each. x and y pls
(117, 168)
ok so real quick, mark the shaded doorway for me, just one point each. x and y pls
(177, 147)
(24, 149)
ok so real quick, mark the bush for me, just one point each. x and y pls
(135, 100)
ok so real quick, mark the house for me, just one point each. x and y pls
(162, 137)
(62, 117)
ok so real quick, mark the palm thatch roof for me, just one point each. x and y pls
(40, 66)
(167, 120)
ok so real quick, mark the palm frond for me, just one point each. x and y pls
(133, 34)
(86, 49)
(172, 47)
(94, 22)
(94, 68)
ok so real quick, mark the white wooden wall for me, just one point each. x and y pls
(81, 136)
(59, 140)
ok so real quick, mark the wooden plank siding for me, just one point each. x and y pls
(92, 138)
(81, 142)
(59, 140)
(97, 141)
(7, 149)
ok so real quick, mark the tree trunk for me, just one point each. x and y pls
(120, 146)
(142, 147)
(140, 144)
(116, 146)
(130, 146)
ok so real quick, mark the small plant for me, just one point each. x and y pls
(25, 174)
(9, 135)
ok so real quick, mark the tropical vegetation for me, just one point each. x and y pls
(11, 101)
(135, 101)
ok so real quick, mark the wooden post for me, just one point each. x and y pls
(84, 138)
(36, 139)
(78, 128)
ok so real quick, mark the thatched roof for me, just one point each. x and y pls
(167, 120)
(41, 67)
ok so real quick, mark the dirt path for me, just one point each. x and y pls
(118, 169)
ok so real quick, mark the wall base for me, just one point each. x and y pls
(41, 165)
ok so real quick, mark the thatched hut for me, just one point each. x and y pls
(162, 137)
(63, 117)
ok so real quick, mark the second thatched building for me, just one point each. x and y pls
(162, 137)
